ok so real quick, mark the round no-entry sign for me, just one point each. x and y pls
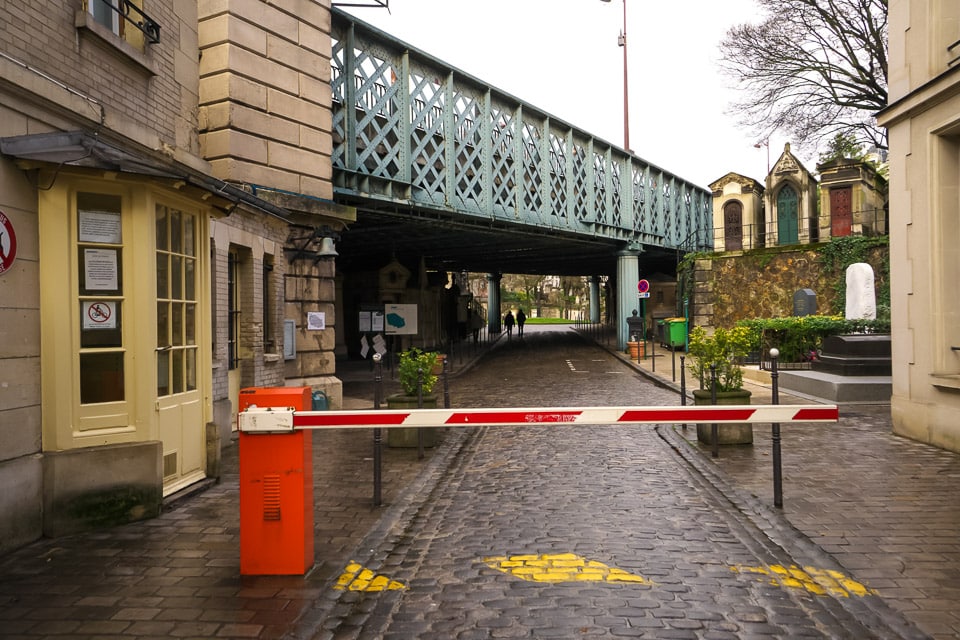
(643, 286)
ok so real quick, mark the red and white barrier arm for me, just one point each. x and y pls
(278, 420)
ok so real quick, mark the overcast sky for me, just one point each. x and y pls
(562, 57)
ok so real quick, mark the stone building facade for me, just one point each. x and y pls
(923, 123)
(165, 214)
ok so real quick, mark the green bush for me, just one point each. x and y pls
(725, 350)
(412, 362)
(797, 336)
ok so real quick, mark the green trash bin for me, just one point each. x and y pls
(676, 329)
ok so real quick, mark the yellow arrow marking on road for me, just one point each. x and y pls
(817, 581)
(356, 578)
(560, 567)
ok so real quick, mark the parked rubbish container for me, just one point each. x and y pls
(676, 332)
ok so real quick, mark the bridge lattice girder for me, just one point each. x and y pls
(440, 163)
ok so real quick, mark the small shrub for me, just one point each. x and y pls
(412, 362)
(725, 350)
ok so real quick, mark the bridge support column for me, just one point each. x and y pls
(628, 275)
(595, 299)
(493, 303)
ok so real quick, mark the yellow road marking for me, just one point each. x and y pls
(569, 567)
(816, 581)
(560, 567)
(356, 578)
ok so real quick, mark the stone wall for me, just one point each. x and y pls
(760, 284)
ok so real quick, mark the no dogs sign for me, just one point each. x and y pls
(8, 243)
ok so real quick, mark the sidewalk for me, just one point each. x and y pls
(884, 507)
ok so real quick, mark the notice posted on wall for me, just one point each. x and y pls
(100, 270)
(99, 226)
(401, 319)
(316, 320)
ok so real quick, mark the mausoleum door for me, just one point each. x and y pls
(840, 211)
(787, 216)
(733, 226)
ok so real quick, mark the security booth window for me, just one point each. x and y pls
(100, 289)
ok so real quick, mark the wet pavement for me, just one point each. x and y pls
(542, 532)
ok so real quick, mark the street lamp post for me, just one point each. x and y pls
(622, 41)
(765, 143)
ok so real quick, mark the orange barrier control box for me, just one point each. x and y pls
(276, 490)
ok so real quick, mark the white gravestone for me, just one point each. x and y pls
(861, 297)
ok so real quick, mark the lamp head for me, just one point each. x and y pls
(327, 249)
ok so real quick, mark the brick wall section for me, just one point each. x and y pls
(245, 232)
(265, 93)
(158, 110)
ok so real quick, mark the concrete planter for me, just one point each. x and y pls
(406, 437)
(726, 433)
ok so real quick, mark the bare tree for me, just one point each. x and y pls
(812, 69)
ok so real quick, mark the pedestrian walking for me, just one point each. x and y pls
(521, 319)
(508, 322)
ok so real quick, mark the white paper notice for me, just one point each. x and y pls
(364, 321)
(316, 321)
(364, 347)
(100, 269)
(100, 226)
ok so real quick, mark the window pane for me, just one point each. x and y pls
(100, 271)
(163, 373)
(189, 284)
(189, 247)
(100, 324)
(177, 371)
(163, 324)
(190, 323)
(163, 276)
(191, 356)
(177, 323)
(161, 227)
(176, 233)
(101, 377)
(176, 277)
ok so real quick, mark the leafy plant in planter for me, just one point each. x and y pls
(412, 362)
(724, 349)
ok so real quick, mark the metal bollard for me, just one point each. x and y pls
(683, 387)
(419, 406)
(377, 432)
(714, 428)
(446, 383)
(775, 435)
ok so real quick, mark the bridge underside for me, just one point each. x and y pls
(451, 242)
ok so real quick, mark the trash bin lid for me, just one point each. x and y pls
(675, 320)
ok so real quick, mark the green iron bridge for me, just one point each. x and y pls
(442, 166)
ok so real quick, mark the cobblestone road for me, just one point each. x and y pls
(484, 553)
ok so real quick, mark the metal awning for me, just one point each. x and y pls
(88, 150)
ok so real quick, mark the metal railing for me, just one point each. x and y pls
(869, 222)
(134, 15)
